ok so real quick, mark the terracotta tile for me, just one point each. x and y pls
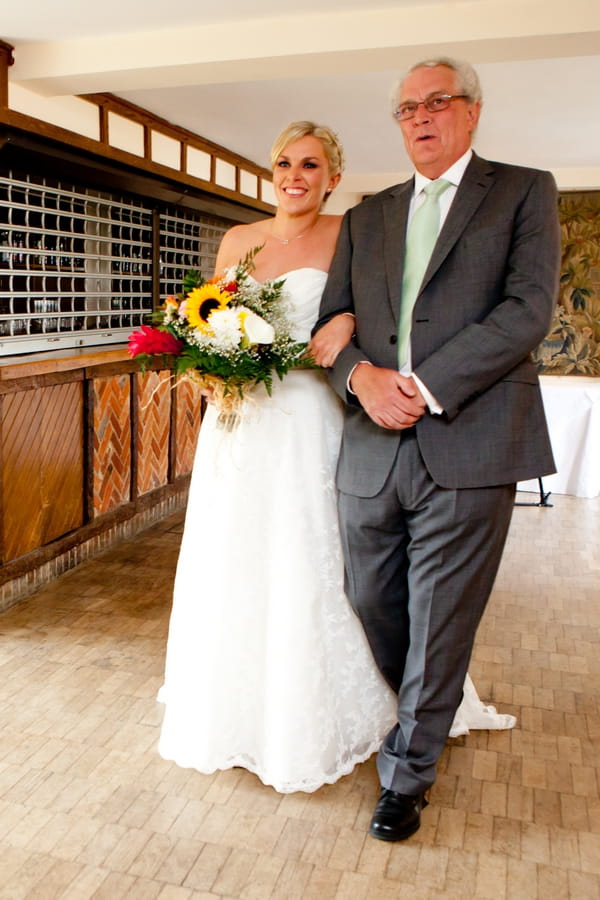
(236, 873)
(451, 828)
(190, 818)
(491, 877)
(404, 862)
(484, 765)
(347, 849)
(521, 880)
(468, 794)
(179, 861)
(319, 845)
(88, 808)
(478, 832)
(11, 860)
(322, 884)
(262, 878)
(85, 884)
(589, 849)
(353, 886)
(534, 773)
(29, 876)
(593, 808)
(506, 837)
(461, 873)
(553, 883)
(152, 854)
(520, 802)
(585, 782)
(292, 881)
(574, 812)
(583, 885)
(123, 856)
(172, 892)
(535, 843)
(494, 798)
(207, 867)
(546, 807)
(432, 868)
(293, 838)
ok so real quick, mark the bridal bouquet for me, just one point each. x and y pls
(227, 334)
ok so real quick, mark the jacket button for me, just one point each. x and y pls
(394, 339)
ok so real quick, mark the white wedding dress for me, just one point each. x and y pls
(267, 666)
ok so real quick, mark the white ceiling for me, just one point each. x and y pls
(237, 71)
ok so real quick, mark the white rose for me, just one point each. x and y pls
(256, 329)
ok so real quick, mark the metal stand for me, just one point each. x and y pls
(543, 501)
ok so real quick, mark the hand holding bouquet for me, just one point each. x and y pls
(227, 334)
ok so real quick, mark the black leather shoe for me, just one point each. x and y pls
(396, 816)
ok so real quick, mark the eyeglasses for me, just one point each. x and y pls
(434, 103)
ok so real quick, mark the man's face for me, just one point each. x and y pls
(435, 140)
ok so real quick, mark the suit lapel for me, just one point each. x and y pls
(395, 215)
(472, 190)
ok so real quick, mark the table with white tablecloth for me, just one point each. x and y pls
(572, 405)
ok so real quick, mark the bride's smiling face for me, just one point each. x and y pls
(301, 176)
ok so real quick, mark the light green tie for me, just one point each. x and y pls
(420, 241)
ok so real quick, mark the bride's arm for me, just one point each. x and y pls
(331, 338)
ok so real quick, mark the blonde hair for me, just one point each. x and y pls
(330, 141)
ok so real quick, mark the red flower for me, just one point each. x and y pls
(231, 287)
(150, 341)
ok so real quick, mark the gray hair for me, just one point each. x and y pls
(467, 80)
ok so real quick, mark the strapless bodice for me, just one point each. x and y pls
(302, 289)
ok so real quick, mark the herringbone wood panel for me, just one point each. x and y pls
(187, 422)
(112, 443)
(154, 409)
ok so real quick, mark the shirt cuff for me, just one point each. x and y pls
(432, 404)
(363, 362)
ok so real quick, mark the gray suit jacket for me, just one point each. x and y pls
(486, 302)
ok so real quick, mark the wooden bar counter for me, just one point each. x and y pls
(91, 452)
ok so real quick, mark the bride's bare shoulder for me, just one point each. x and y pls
(238, 241)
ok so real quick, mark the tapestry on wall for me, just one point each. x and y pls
(572, 346)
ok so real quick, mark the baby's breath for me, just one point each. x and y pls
(216, 346)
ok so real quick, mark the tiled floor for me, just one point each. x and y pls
(88, 809)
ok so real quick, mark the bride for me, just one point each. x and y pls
(267, 666)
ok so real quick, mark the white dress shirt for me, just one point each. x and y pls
(454, 175)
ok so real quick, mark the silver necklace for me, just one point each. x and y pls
(294, 238)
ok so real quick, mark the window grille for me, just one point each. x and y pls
(76, 262)
(187, 241)
(75, 265)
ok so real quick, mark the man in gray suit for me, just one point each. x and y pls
(433, 445)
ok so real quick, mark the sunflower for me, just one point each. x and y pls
(201, 302)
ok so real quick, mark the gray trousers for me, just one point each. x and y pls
(420, 565)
